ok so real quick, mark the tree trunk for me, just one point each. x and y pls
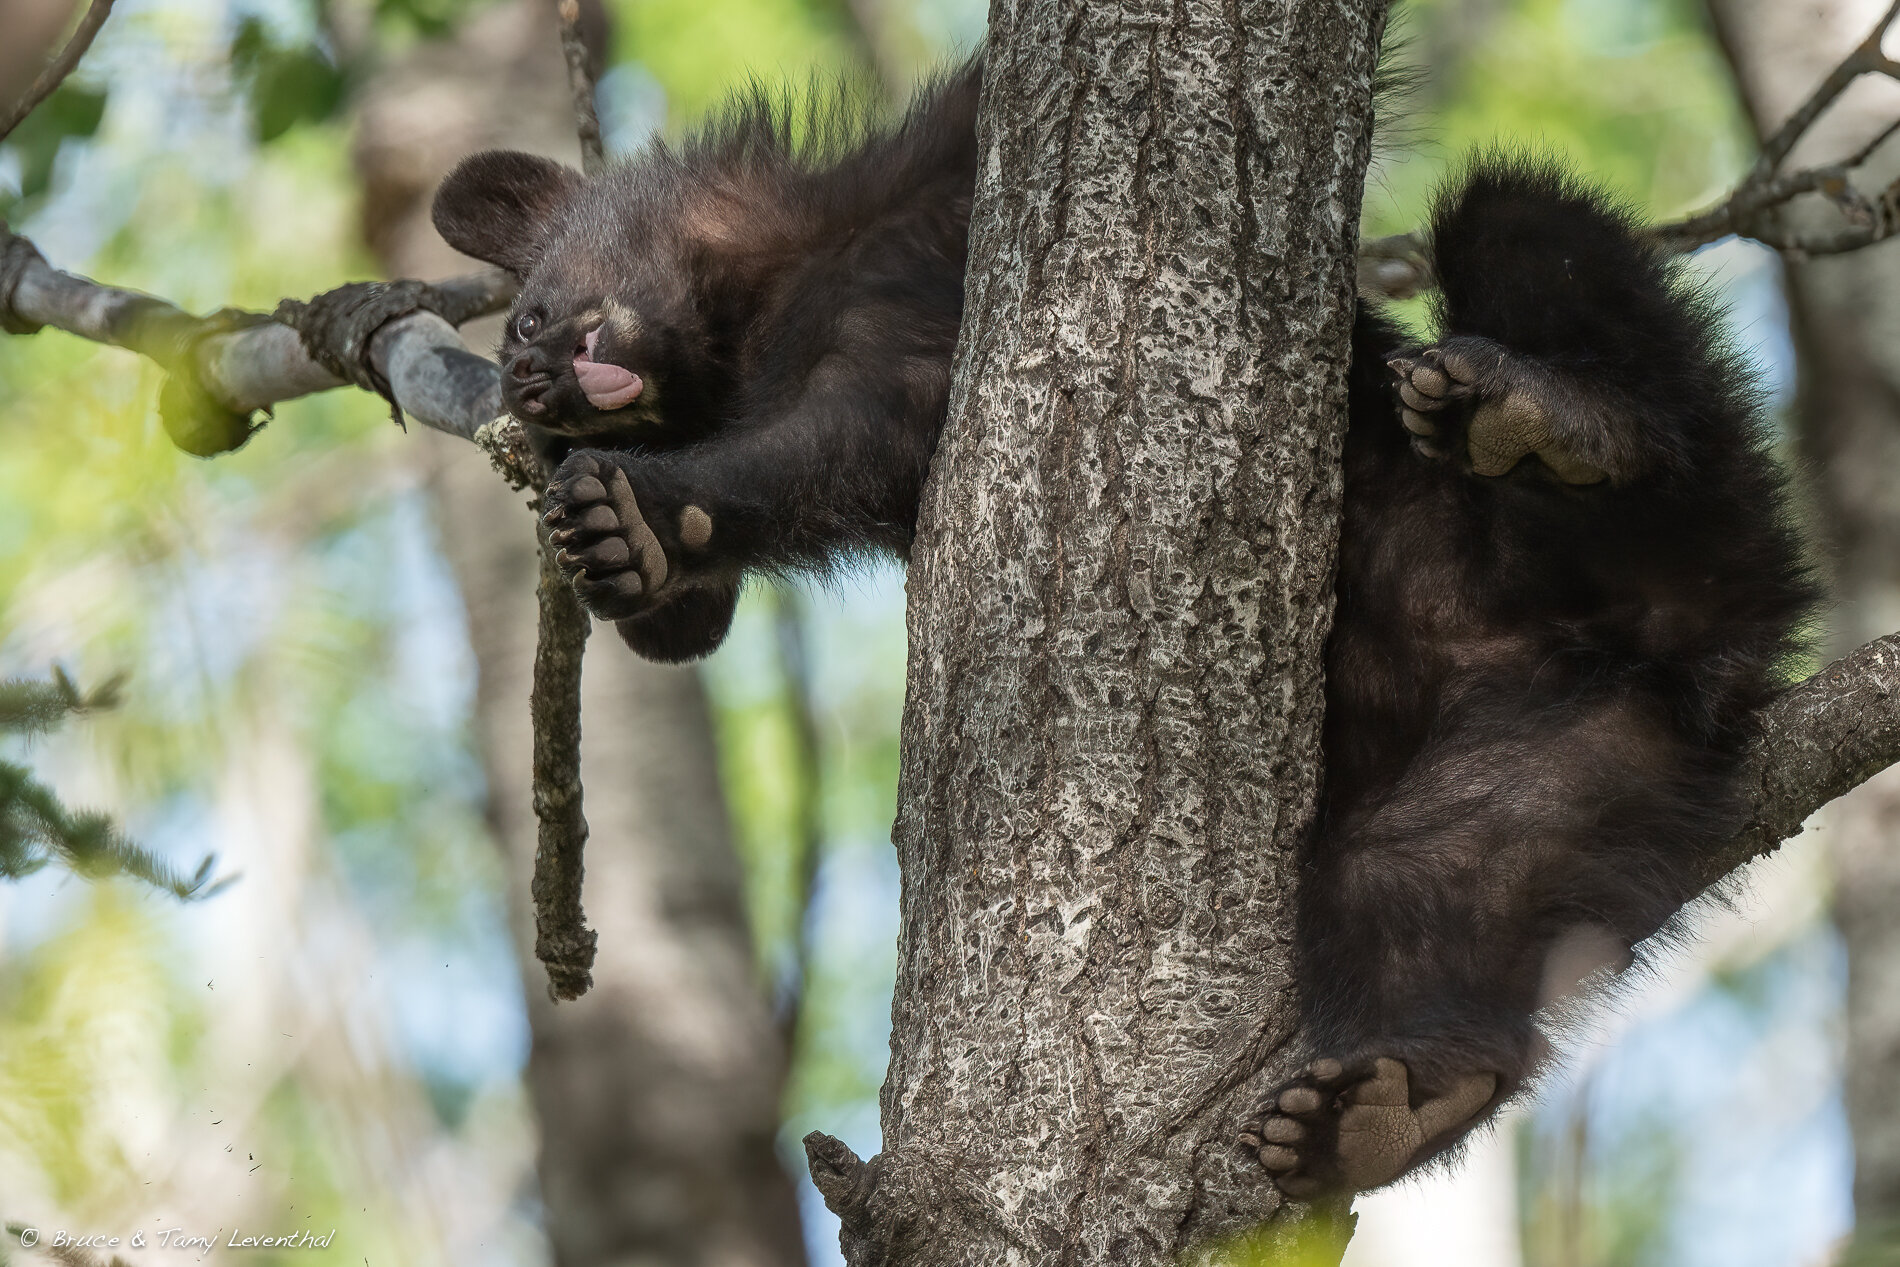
(1845, 313)
(1119, 597)
(657, 1092)
(29, 32)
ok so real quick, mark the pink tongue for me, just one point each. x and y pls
(606, 386)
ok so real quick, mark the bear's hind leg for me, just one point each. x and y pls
(1349, 1128)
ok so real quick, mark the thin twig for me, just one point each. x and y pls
(1865, 59)
(1743, 207)
(1869, 224)
(1399, 266)
(1750, 210)
(581, 85)
(1866, 151)
(563, 942)
(59, 68)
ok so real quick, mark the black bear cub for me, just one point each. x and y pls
(1566, 575)
(753, 334)
(1567, 581)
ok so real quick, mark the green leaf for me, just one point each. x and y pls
(71, 113)
(287, 86)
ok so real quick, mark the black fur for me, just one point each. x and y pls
(1538, 693)
(789, 286)
(1538, 690)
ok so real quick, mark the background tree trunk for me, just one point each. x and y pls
(29, 30)
(1846, 317)
(657, 1092)
(1118, 602)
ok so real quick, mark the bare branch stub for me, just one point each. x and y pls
(59, 68)
(505, 441)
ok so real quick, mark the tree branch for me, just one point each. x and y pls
(1865, 59)
(1821, 739)
(1399, 266)
(59, 68)
(433, 375)
(226, 368)
(563, 941)
(1752, 209)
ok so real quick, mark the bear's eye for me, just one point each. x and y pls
(527, 325)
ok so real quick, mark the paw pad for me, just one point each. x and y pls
(1347, 1126)
(696, 528)
(1504, 422)
(604, 545)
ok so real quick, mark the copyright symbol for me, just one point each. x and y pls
(29, 1237)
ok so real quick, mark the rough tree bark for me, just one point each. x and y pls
(1118, 601)
(657, 1092)
(1846, 315)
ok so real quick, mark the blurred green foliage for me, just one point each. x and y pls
(1876, 1246)
(1584, 1201)
(88, 1009)
(36, 828)
(285, 84)
(1633, 93)
(72, 113)
(698, 52)
(1316, 1239)
(282, 613)
(397, 18)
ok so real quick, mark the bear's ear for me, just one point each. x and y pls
(496, 206)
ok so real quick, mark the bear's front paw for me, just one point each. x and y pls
(1344, 1127)
(1430, 397)
(606, 549)
(1498, 399)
